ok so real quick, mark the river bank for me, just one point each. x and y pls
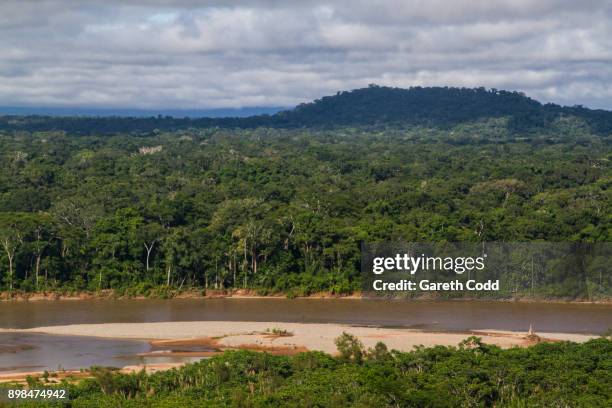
(110, 294)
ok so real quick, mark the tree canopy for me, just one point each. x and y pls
(285, 210)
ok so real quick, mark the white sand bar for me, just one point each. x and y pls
(309, 335)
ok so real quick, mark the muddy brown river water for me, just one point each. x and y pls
(50, 352)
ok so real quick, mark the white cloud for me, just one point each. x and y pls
(193, 54)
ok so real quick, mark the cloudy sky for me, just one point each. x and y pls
(210, 54)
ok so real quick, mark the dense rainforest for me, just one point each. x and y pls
(470, 375)
(281, 203)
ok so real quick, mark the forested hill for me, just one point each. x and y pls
(441, 107)
(372, 106)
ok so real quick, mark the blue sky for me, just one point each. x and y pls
(218, 54)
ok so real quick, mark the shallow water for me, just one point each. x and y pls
(47, 352)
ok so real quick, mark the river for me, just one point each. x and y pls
(50, 352)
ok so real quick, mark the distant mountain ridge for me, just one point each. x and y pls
(372, 106)
(437, 106)
(144, 113)
(377, 104)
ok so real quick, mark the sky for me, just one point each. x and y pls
(186, 54)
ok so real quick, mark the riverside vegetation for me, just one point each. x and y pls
(470, 375)
(150, 206)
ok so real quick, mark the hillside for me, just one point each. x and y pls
(439, 107)
(428, 106)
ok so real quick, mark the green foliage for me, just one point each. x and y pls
(275, 210)
(545, 375)
(380, 352)
(350, 348)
